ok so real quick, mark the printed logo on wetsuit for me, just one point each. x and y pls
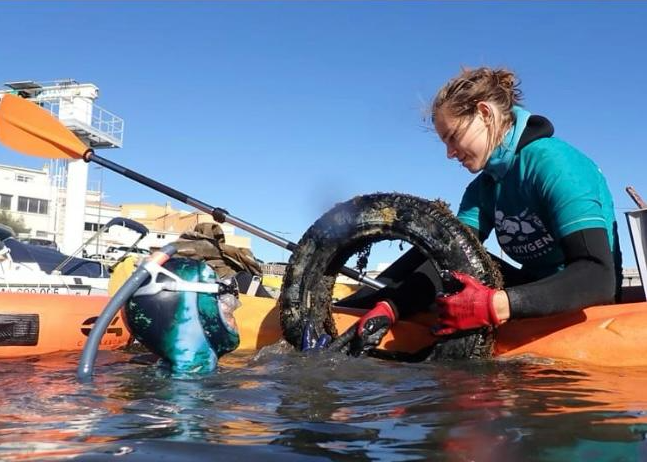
(523, 236)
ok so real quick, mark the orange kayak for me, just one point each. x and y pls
(35, 324)
(611, 335)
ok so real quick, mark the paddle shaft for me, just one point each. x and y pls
(217, 213)
(30, 129)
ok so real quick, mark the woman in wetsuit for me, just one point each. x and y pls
(547, 202)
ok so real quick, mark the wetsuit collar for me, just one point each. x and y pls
(503, 155)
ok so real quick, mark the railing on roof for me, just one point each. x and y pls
(106, 129)
(93, 124)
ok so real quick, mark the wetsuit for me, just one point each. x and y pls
(552, 212)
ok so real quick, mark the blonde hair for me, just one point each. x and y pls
(460, 95)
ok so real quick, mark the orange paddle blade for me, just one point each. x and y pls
(27, 128)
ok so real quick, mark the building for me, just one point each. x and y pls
(28, 194)
(98, 213)
(34, 196)
(73, 103)
(55, 202)
(166, 224)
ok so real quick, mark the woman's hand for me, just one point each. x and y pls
(476, 305)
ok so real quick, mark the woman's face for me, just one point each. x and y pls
(466, 139)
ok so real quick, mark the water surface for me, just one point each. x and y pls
(280, 405)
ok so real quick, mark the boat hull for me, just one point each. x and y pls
(36, 324)
(612, 335)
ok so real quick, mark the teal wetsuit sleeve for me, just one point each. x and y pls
(569, 184)
(477, 207)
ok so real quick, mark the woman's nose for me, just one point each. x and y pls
(451, 152)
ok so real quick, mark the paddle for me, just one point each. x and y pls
(27, 128)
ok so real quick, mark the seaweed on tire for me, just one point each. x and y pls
(350, 226)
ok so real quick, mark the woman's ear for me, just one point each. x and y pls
(486, 111)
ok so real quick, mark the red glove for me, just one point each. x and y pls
(470, 308)
(372, 327)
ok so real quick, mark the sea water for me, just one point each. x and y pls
(277, 404)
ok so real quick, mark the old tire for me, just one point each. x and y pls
(348, 227)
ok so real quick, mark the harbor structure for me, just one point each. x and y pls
(73, 103)
(56, 202)
(32, 195)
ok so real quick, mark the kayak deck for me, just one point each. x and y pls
(612, 335)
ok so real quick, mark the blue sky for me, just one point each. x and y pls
(278, 110)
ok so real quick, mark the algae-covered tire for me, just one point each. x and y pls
(325, 247)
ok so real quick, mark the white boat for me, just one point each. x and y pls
(28, 268)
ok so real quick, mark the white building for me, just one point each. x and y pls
(98, 213)
(34, 196)
(28, 194)
(74, 105)
(56, 203)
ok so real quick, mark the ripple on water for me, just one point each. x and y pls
(280, 404)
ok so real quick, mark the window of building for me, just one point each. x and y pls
(32, 205)
(24, 178)
(91, 226)
(5, 201)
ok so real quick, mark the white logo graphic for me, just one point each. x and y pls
(523, 235)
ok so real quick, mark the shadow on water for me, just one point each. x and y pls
(280, 405)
